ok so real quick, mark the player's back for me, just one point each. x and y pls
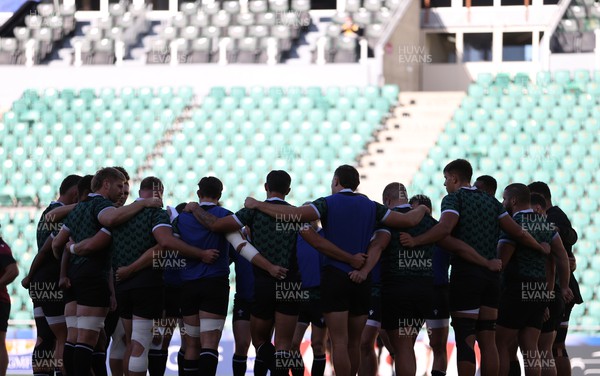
(478, 222)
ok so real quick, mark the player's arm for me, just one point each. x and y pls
(562, 224)
(505, 250)
(164, 237)
(9, 267)
(247, 251)
(559, 253)
(329, 249)
(63, 281)
(520, 235)
(143, 262)
(437, 233)
(305, 213)
(404, 220)
(86, 247)
(378, 243)
(40, 259)
(11, 271)
(59, 213)
(212, 222)
(112, 217)
(59, 242)
(469, 254)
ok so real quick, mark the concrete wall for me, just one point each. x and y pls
(405, 53)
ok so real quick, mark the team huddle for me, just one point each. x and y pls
(355, 270)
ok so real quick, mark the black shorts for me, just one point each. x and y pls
(557, 310)
(205, 294)
(340, 294)
(272, 295)
(441, 303)
(470, 292)
(374, 314)
(311, 312)
(111, 321)
(4, 314)
(567, 312)
(516, 312)
(144, 302)
(91, 292)
(172, 301)
(407, 304)
(53, 309)
(241, 310)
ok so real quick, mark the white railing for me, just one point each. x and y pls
(545, 42)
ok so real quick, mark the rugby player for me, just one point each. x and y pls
(476, 218)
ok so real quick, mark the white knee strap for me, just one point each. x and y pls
(208, 325)
(117, 345)
(38, 312)
(141, 332)
(248, 251)
(94, 323)
(71, 321)
(191, 330)
(54, 320)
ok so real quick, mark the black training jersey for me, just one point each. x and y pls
(132, 239)
(399, 262)
(528, 264)
(274, 238)
(82, 223)
(50, 270)
(478, 225)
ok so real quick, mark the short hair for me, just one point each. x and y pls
(279, 181)
(518, 191)
(68, 183)
(151, 183)
(179, 208)
(541, 188)
(395, 190)
(84, 184)
(421, 200)
(210, 186)
(537, 199)
(347, 176)
(109, 173)
(123, 171)
(489, 183)
(460, 167)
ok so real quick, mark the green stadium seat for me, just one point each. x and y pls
(581, 76)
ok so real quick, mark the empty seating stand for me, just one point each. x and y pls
(44, 30)
(245, 35)
(111, 35)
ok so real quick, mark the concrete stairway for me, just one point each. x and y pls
(403, 144)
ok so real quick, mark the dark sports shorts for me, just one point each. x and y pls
(470, 292)
(557, 310)
(53, 309)
(91, 292)
(144, 302)
(4, 314)
(241, 309)
(407, 304)
(272, 295)
(205, 294)
(311, 312)
(567, 312)
(516, 312)
(172, 301)
(441, 303)
(111, 321)
(374, 314)
(339, 293)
